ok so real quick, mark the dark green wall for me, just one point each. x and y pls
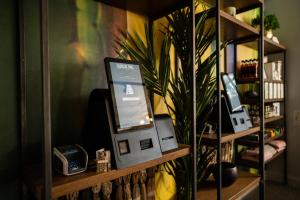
(9, 159)
(288, 34)
(81, 34)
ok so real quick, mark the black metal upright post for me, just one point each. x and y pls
(23, 88)
(218, 79)
(261, 104)
(284, 115)
(47, 147)
(194, 117)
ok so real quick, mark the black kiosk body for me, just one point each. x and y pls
(120, 118)
(235, 117)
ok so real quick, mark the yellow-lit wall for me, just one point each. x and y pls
(135, 22)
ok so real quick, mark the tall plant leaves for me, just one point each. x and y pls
(156, 77)
(161, 80)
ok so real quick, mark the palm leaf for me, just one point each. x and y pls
(156, 78)
(161, 80)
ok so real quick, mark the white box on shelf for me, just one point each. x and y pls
(275, 91)
(271, 91)
(278, 91)
(279, 69)
(276, 109)
(266, 90)
(265, 59)
(264, 73)
(282, 90)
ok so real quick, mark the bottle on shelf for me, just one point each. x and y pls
(249, 68)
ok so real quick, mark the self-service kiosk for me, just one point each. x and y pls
(120, 118)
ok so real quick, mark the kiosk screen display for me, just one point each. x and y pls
(231, 93)
(131, 107)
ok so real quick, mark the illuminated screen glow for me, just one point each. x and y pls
(232, 94)
(128, 95)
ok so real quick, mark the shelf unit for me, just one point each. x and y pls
(255, 143)
(46, 185)
(273, 119)
(234, 31)
(211, 139)
(237, 32)
(228, 28)
(272, 48)
(269, 48)
(63, 185)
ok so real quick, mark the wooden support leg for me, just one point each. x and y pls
(107, 190)
(73, 196)
(119, 190)
(96, 190)
(151, 184)
(127, 190)
(143, 179)
(136, 192)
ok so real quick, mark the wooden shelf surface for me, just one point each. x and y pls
(275, 156)
(256, 143)
(272, 47)
(254, 163)
(245, 183)
(273, 100)
(226, 137)
(273, 119)
(269, 46)
(63, 185)
(255, 80)
(274, 81)
(234, 29)
(247, 80)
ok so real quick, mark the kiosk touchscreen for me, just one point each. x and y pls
(131, 107)
(231, 93)
(120, 118)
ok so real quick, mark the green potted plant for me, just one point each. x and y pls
(270, 23)
(161, 80)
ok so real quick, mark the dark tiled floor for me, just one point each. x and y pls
(276, 191)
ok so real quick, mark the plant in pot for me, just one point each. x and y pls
(270, 23)
(162, 81)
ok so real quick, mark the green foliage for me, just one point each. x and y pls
(256, 21)
(270, 22)
(161, 80)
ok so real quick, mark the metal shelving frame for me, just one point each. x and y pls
(261, 107)
(46, 139)
(46, 135)
(260, 39)
(219, 112)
